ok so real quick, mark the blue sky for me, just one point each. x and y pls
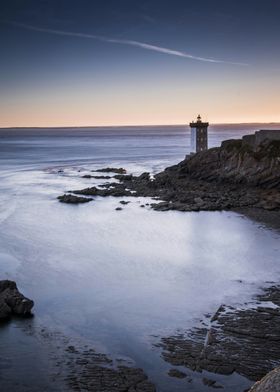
(130, 62)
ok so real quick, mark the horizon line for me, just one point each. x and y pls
(137, 125)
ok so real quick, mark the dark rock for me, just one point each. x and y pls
(123, 202)
(123, 379)
(237, 164)
(119, 170)
(228, 177)
(176, 373)
(270, 383)
(211, 383)
(246, 341)
(97, 177)
(114, 189)
(102, 177)
(72, 199)
(123, 177)
(12, 301)
(118, 209)
(96, 372)
(72, 349)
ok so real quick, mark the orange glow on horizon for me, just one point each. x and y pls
(70, 118)
(164, 103)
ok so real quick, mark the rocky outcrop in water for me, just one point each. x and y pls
(117, 170)
(91, 371)
(12, 301)
(116, 190)
(122, 379)
(229, 177)
(89, 176)
(239, 339)
(232, 176)
(72, 199)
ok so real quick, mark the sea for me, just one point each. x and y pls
(115, 281)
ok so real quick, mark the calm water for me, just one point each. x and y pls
(77, 145)
(116, 281)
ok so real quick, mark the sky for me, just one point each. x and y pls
(128, 62)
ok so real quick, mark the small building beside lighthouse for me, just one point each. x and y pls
(199, 135)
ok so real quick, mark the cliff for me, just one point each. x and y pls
(236, 162)
(227, 177)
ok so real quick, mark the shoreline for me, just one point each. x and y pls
(231, 177)
(94, 370)
(242, 339)
(270, 219)
(190, 352)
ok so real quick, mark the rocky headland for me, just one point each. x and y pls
(233, 176)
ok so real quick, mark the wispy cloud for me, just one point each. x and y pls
(142, 45)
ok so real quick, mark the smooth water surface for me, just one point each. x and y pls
(116, 280)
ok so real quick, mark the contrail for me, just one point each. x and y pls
(138, 44)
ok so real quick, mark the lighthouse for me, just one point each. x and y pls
(199, 135)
